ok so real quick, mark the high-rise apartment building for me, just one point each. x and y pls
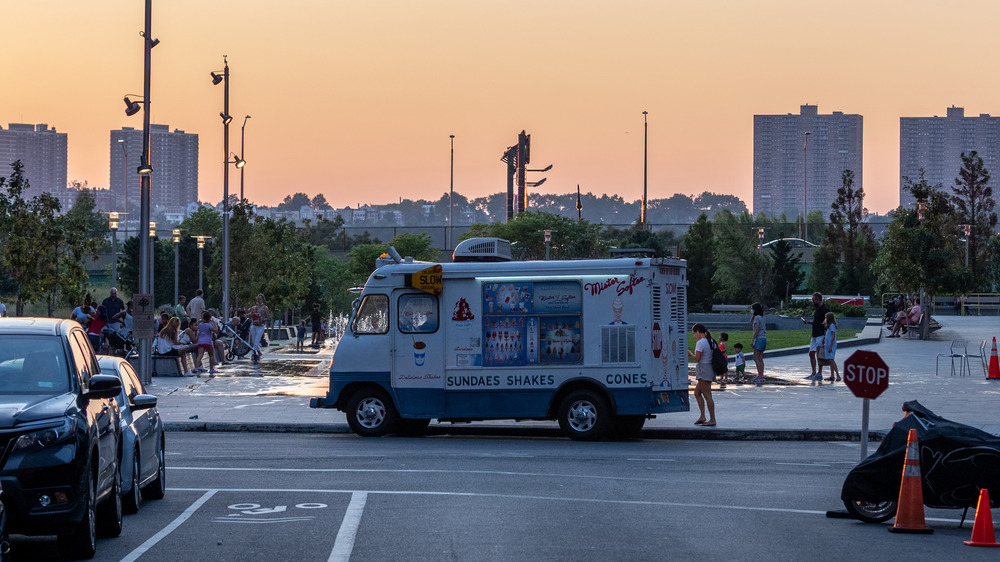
(174, 155)
(781, 155)
(42, 151)
(935, 144)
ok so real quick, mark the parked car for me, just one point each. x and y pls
(144, 472)
(60, 430)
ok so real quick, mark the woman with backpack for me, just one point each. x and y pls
(703, 373)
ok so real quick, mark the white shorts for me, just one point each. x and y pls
(816, 343)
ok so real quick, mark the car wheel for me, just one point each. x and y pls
(627, 427)
(109, 513)
(131, 501)
(156, 489)
(584, 415)
(871, 512)
(370, 413)
(81, 543)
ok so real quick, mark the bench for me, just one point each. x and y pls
(730, 307)
(918, 328)
(167, 366)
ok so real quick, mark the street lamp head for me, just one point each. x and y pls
(152, 229)
(226, 119)
(216, 79)
(144, 167)
(177, 235)
(238, 161)
(113, 220)
(131, 107)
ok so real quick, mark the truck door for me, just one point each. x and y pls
(418, 354)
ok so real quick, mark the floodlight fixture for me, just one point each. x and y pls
(131, 107)
(226, 118)
(216, 79)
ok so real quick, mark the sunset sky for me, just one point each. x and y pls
(356, 100)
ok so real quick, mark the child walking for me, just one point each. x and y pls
(830, 346)
(741, 365)
(723, 338)
(300, 336)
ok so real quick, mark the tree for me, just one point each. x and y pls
(851, 240)
(788, 275)
(294, 202)
(571, 238)
(919, 248)
(319, 202)
(742, 272)
(698, 248)
(973, 198)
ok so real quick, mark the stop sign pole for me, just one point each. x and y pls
(867, 375)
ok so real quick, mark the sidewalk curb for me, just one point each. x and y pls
(705, 434)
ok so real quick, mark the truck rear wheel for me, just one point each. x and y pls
(627, 427)
(584, 415)
(371, 413)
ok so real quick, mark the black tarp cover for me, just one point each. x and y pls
(956, 461)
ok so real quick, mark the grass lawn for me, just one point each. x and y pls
(776, 339)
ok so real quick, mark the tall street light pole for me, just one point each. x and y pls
(645, 159)
(144, 170)
(226, 120)
(451, 194)
(805, 176)
(201, 258)
(243, 154)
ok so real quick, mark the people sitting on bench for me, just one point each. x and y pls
(168, 344)
(908, 317)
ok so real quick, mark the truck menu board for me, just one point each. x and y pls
(528, 323)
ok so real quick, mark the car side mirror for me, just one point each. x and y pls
(143, 402)
(103, 386)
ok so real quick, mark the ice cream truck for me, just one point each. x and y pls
(599, 345)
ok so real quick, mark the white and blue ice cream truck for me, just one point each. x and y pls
(599, 345)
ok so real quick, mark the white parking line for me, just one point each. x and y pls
(142, 548)
(523, 497)
(344, 544)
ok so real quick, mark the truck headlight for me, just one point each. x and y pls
(44, 437)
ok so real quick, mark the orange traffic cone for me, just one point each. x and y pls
(982, 529)
(910, 507)
(994, 362)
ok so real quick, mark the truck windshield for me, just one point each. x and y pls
(33, 365)
(372, 316)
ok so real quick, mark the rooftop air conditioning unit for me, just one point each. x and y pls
(482, 249)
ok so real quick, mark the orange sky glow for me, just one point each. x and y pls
(356, 100)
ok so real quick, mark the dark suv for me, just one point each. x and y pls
(60, 435)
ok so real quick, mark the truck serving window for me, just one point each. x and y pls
(372, 316)
(418, 313)
(528, 323)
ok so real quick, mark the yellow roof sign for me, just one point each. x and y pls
(427, 280)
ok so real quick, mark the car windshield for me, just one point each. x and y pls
(33, 365)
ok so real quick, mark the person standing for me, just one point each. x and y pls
(82, 313)
(3, 310)
(300, 336)
(180, 311)
(830, 346)
(759, 340)
(703, 374)
(206, 331)
(113, 305)
(316, 318)
(818, 333)
(260, 315)
(197, 305)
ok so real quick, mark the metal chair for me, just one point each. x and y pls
(983, 358)
(959, 350)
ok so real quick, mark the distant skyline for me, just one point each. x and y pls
(357, 100)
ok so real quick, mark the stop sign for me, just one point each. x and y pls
(866, 374)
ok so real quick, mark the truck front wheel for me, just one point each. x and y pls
(584, 415)
(370, 413)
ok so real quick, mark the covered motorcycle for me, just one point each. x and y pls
(956, 461)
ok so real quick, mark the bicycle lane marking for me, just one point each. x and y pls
(344, 544)
(151, 542)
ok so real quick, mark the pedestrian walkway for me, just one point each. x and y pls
(275, 395)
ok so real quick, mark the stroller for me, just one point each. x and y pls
(122, 343)
(239, 346)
